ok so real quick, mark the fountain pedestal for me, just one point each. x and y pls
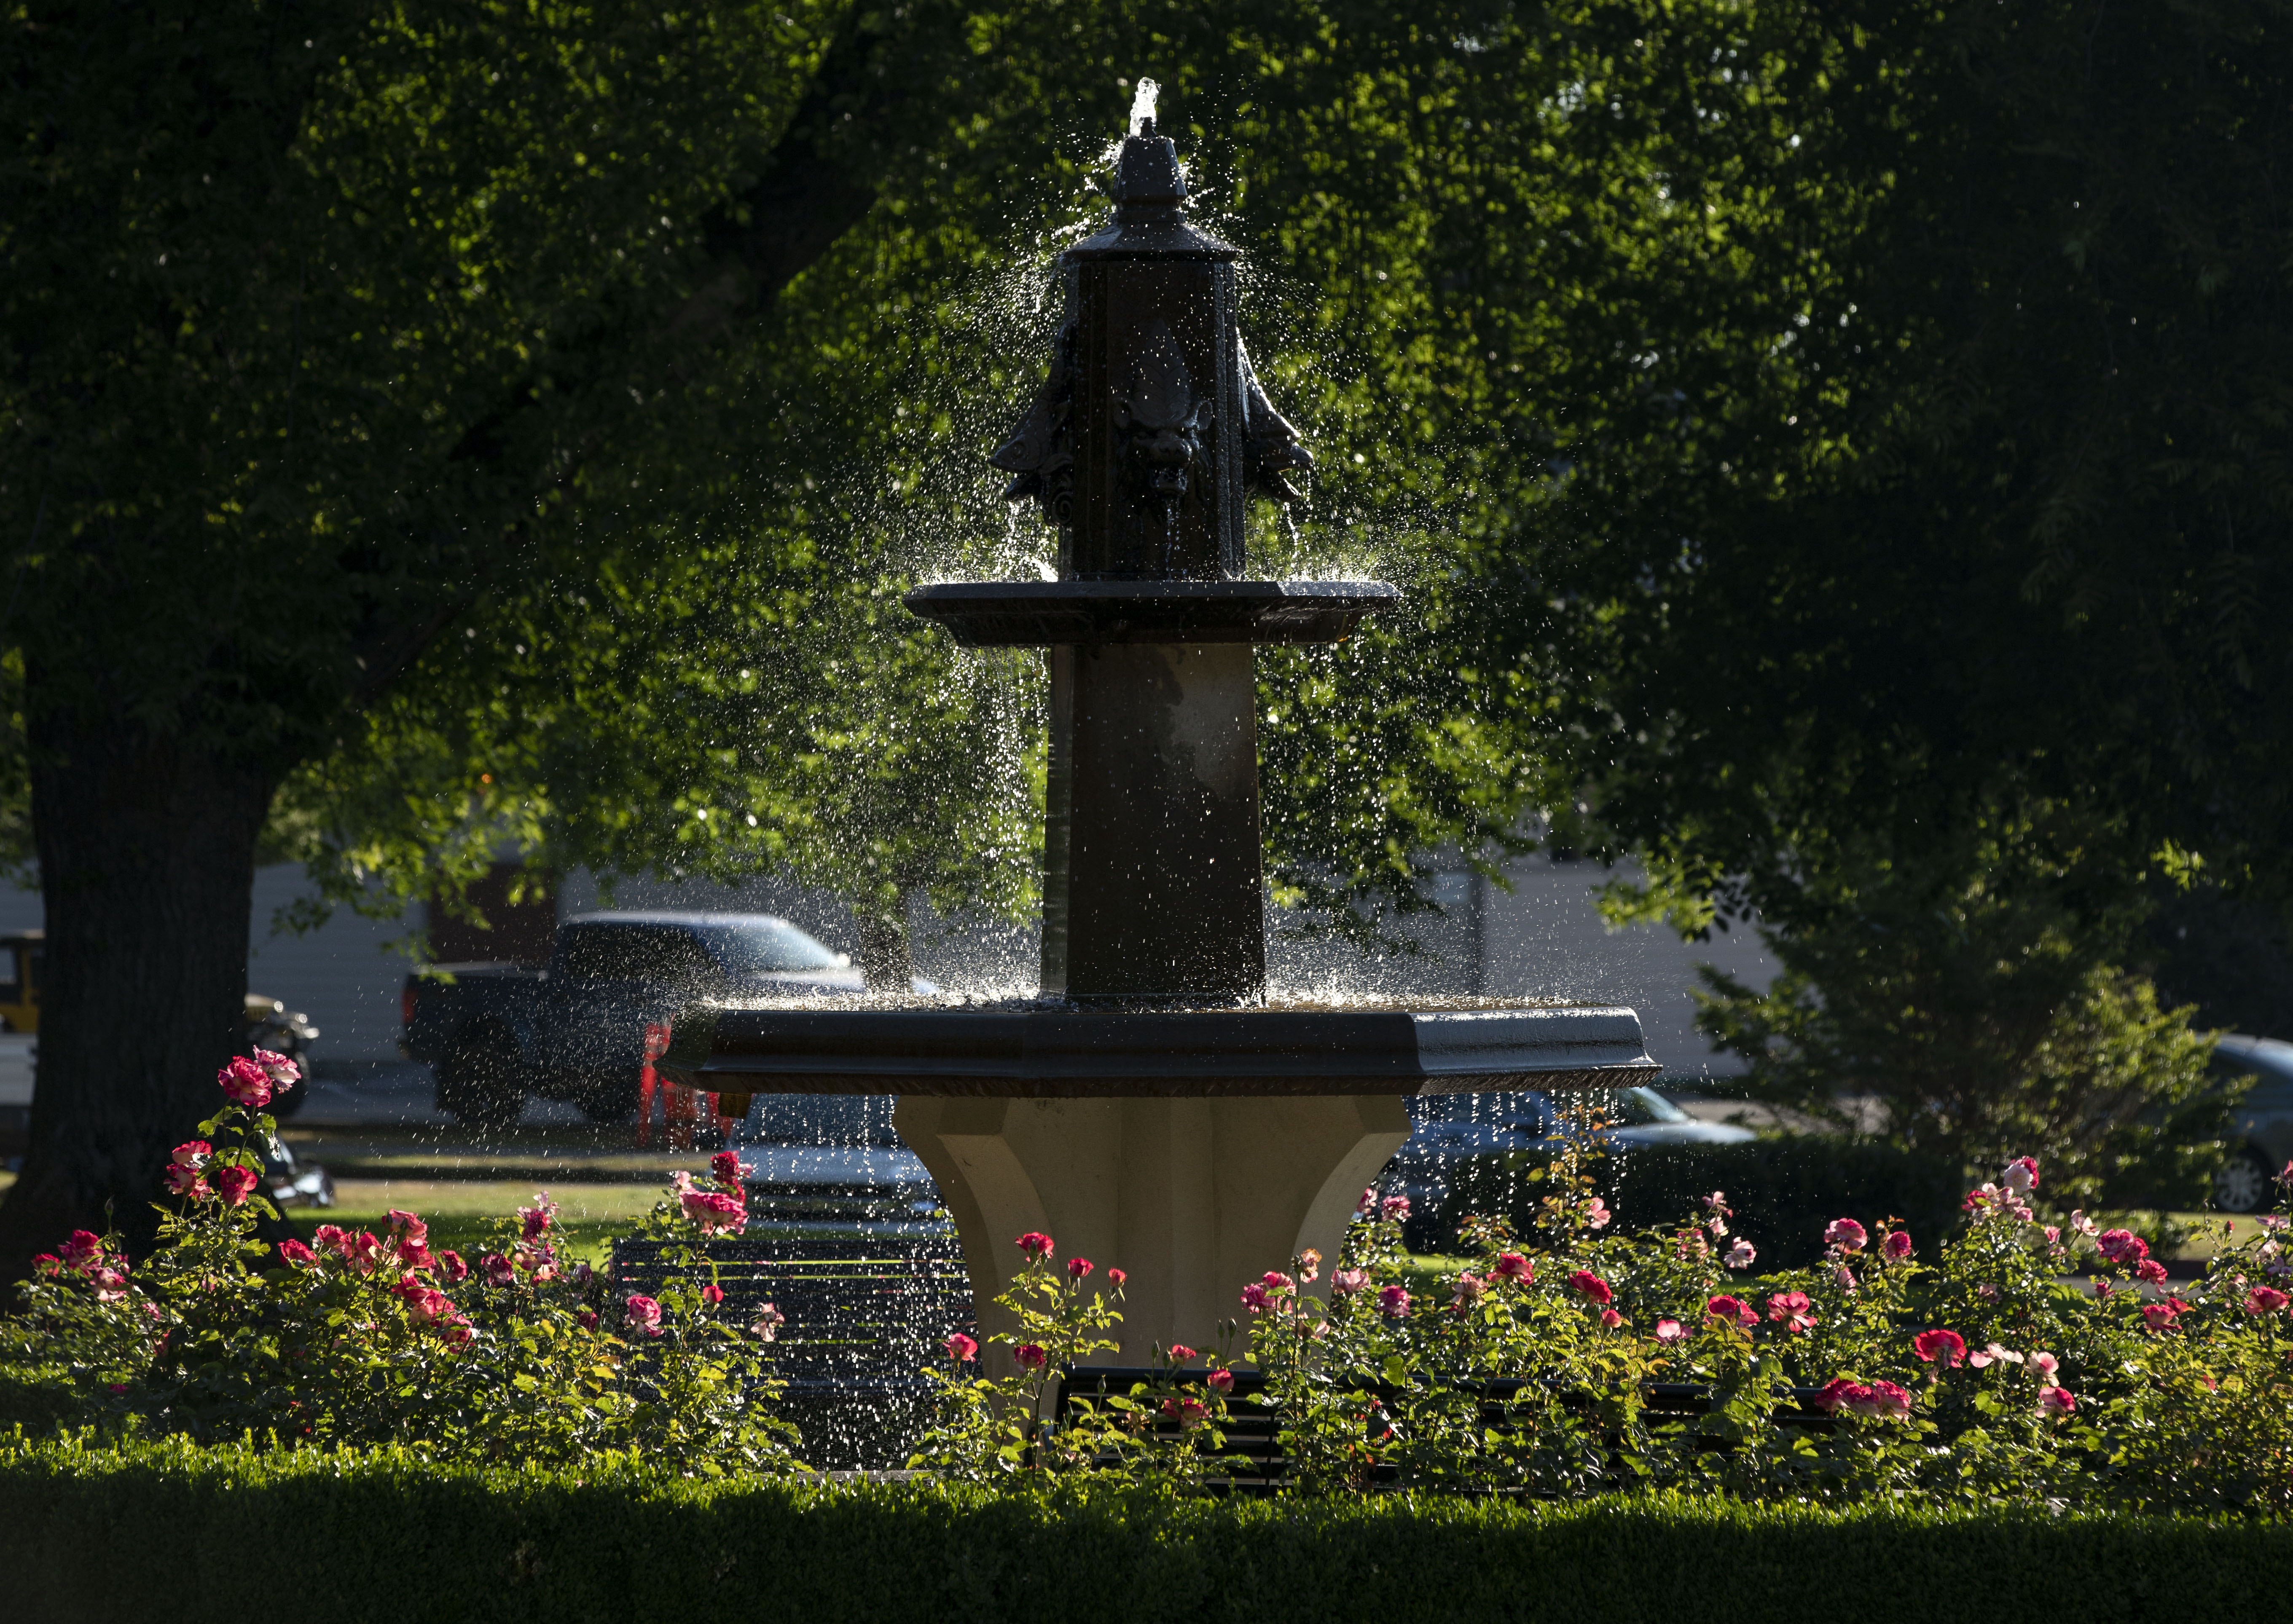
(1190, 1197)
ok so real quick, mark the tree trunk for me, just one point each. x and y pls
(147, 865)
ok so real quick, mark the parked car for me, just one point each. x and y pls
(2261, 1133)
(575, 1031)
(1451, 1127)
(20, 980)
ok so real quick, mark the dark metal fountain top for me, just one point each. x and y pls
(1148, 436)
(1143, 447)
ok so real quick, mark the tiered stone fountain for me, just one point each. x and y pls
(1150, 1108)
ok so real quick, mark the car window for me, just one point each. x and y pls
(767, 947)
(1641, 1107)
(588, 953)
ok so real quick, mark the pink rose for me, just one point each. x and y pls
(2123, 1246)
(1036, 1244)
(1589, 1285)
(363, 1253)
(587, 1319)
(1897, 1246)
(110, 1284)
(1946, 1347)
(187, 1181)
(83, 1250)
(1030, 1356)
(1467, 1290)
(407, 1226)
(714, 1212)
(423, 1305)
(1345, 1282)
(450, 1264)
(1732, 1309)
(1741, 1255)
(581, 1276)
(415, 1255)
(458, 1332)
(1185, 1412)
(2159, 1316)
(1115, 1277)
(1838, 1394)
(1277, 1283)
(2150, 1270)
(246, 1082)
(1994, 1355)
(496, 1270)
(2265, 1299)
(295, 1252)
(1790, 1309)
(2056, 1401)
(1671, 1330)
(1597, 1213)
(1514, 1267)
(2044, 1365)
(1254, 1297)
(1367, 1206)
(768, 1322)
(1394, 1208)
(281, 1070)
(959, 1347)
(235, 1184)
(712, 1294)
(1890, 1402)
(1845, 1235)
(1310, 1265)
(1078, 1268)
(1611, 1318)
(2022, 1175)
(643, 1313)
(193, 1153)
(1220, 1382)
(533, 1222)
(1177, 1353)
(1393, 1303)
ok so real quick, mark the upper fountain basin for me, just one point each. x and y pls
(1053, 1051)
(1024, 614)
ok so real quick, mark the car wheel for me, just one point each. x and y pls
(2242, 1184)
(481, 1083)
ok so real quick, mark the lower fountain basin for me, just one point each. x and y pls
(1055, 1052)
(1033, 614)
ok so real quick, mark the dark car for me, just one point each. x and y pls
(495, 1033)
(1451, 1127)
(2261, 1131)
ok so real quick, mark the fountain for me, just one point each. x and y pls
(1151, 1107)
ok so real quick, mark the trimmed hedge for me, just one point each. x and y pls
(1783, 1191)
(166, 1531)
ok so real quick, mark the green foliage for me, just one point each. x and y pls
(614, 1540)
(1966, 1005)
(372, 1340)
(1783, 1189)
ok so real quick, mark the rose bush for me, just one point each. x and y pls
(361, 1338)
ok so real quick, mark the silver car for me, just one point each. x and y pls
(2261, 1134)
(1454, 1126)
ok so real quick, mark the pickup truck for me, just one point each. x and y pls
(493, 1034)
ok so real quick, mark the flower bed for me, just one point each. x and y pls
(1553, 1365)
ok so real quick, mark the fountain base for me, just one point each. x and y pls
(1192, 1198)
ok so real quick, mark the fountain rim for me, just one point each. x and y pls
(1058, 1051)
(1028, 614)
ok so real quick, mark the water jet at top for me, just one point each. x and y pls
(1149, 1107)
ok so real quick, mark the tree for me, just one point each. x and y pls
(318, 326)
